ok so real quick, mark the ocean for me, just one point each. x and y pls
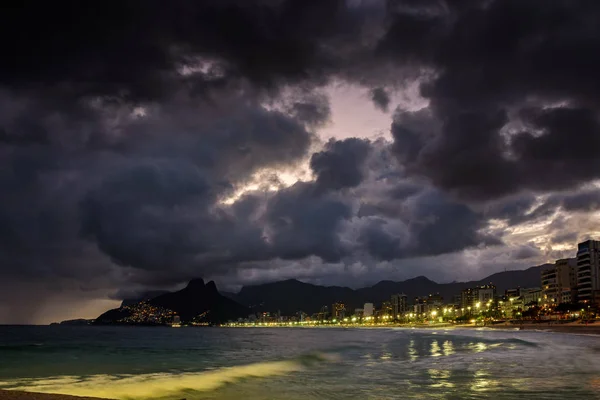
(299, 363)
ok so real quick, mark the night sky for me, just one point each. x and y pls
(145, 143)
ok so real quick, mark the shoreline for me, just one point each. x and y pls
(570, 328)
(20, 395)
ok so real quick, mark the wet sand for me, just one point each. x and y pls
(17, 395)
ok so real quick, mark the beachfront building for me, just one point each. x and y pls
(485, 293)
(531, 297)
(477, 297)
(338, 310)
(568, 296)
(368, 310)
(466, 298)
(420, 306)
(399, 305)
(558, 278)
(588, 272)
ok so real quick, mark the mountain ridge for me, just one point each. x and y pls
(291, 295)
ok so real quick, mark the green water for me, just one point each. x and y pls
(297, 363)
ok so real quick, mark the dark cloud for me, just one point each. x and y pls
(267, 42)
(133, 216)
(379, 243)
(485, 69)
(431, 224)
(340, 165)
(568, 237)
(404, 190)
(312, 110)
(526, 251)
(445, 226)
(301, 222)
(380, 98)
(588, 200)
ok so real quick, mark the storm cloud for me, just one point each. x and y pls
(145, 144)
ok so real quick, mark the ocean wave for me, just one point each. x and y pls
(19, 347)
(164, 385)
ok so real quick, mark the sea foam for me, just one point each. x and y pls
(162, 384)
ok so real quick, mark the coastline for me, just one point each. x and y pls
(570, 328)
(19, 395)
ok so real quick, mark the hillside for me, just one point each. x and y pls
(291, 296)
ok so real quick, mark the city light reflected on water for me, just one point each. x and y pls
(435, 349)
(448, 348)
(482, 381)
(412, 351)
(441, 378)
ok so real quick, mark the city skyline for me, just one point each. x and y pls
(338, 142)
(562, 290)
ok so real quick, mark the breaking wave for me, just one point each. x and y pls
(162, 385)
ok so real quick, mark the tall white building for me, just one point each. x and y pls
(368, 310)
(588, 271)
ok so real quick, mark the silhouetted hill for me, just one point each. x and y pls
(195, 299)
(509, 279)
(75, 322)
(291, 296)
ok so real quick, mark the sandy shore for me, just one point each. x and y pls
(16, 395)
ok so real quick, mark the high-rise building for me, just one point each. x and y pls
(485, 293)
(368, 310)
(480, 294)
(399, 304)
(466, 298)
(338, 310)
(588, 271)
(420, 306)
(558, 278)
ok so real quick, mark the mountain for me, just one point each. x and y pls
(197, 301)
(197, 298)
(77, 322)
(291, 296)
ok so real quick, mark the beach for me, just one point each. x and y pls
(18, 395)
